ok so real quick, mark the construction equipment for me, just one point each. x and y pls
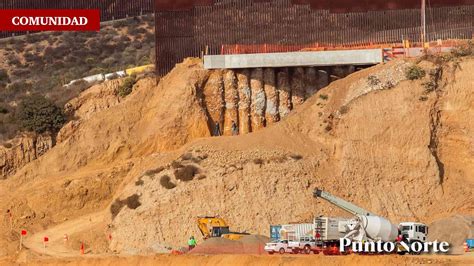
(367, 226)
(215, 226)
(345, 205)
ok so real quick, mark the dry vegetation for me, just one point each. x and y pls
(41, 63)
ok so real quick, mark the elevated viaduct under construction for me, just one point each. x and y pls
(220, 27)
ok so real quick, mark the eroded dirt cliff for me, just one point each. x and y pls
(397, 147)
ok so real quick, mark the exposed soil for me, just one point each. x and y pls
(367, 142)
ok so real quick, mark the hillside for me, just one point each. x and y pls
(41, 63)
(400, 148)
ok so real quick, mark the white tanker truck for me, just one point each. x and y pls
(365, 227)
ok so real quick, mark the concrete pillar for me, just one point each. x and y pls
(311, 81)
(231, 102)
(214, 99)
(323, 79)
(271, 106)
(342, 71)
(243, 86)
(297, 87)
(284, 92)
(258, 99)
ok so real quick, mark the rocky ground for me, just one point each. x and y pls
(148, 166)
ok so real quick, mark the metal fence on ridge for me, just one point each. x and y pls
(189, 28)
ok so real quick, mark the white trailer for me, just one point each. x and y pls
(294, 232)
(330, 228)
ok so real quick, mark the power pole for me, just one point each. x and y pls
(423, 22)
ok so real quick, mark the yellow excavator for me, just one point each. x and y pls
(214, 226)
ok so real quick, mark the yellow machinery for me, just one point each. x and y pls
(214, 226)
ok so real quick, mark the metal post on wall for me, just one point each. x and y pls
(423, 23)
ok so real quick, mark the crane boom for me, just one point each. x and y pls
(345, 205)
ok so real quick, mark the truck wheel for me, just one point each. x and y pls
(282, 251)
(307, 249)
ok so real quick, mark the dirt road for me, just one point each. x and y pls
(293, 260)
(57, 246)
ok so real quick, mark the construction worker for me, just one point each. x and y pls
(217, 130)
(235, 129)
(191, 243)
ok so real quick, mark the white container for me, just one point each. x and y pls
(295, 231)
(330, 228)
(378, 228)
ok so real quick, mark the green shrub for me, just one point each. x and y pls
(296, 157)
(116, 207)
(7, 145)
(20, 46)
(414, 72)
(323, 97)
(120, 24)
(131, 202)
(429, 85)
(90, 61)
(38, 114)
(4, 78)
(153, 172)
(187, 173)
(3, 109)
(34, 38)
(373, 80)
(19, 87)
(165, 182)
(463, 50)
(126, 87)
(13, 60)
(21, 72)
(344, 109)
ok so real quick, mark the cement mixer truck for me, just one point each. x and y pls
(364, 227)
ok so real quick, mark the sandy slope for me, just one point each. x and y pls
(397, 150)
(293, 260)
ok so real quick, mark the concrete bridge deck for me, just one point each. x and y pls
(295, 59)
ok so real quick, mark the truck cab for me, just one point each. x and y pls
(413, 232)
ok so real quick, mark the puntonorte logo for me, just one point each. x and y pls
(50, 20)
(346, 244)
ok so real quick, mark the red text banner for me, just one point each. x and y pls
(50, 20)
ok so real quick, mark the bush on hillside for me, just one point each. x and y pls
(463, 50)
(126, 87)
(4, 78)
(34, 38)
(415, 72)
(38, 114)
(3, 109)
(186, 173)
(165, 182)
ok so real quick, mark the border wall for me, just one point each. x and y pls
(190, 28)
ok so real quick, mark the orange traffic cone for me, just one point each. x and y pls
(82, 248)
